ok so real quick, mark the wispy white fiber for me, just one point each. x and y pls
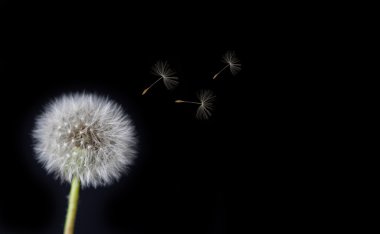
(165, 73)
(163, 70)
(205, 104)
(206, 98)
(232, 62)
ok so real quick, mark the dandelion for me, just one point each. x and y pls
(86, 140)
(232, 62)
(206, 103)
(165, 73)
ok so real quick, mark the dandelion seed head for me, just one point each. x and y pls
(207, 99)
(233, 62)
(86, 136)
(163, 70)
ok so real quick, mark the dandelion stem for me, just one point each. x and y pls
(217, 74)
(146, 90)
(73, 206)
(182, 101)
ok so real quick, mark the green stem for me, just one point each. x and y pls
(73, 206)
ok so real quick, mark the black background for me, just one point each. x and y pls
(235, 171)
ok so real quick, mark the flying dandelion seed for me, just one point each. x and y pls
(232, 62)
(165, 73)
(206, 104)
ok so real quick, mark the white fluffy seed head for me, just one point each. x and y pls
(85, 136)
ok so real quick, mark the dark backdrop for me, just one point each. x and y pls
(221, 175)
